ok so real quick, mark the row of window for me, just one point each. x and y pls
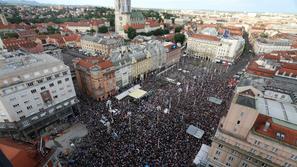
(47, 79)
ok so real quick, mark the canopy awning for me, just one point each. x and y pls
(137, 94)
(196, 132)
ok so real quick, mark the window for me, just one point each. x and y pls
(33, 91)
(294, 157)
(57, 75)
(65, 73)
(253, 150)
(42, 88)
(70, 91)
(280, 136)
(269, 157)
(51, 84)
(48, 78)
(230, 158)
(61, 89)
(218, 152)
(244, 164)
(257, 142)
(228, 164)
(30, 84)
(55, 97)
(264, 165)
(274, 149)
(15, 105)
(59, 82)
(18, 112)
(39, 81)
(66, 79)
(238, 122)
(287, 165)
(220, 146)
(26, 102)
(13, 99)
(29, 107)
(22, 117)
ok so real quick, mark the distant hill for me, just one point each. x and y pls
(19, 2)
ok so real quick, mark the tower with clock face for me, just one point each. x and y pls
(122, 15)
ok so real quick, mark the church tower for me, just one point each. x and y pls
(122, 14)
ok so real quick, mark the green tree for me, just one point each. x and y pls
(52, 30)
(92, 31)
(103, 29)
(178, 29)
(131, 33)
(179, 38)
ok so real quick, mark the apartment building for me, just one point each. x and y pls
(262, 45)
(256, 131)
(95, 77)
(215, 48)
(35, 91)
(100, 43)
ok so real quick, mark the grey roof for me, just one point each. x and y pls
(103, 39)
(246, 101)
(275, 84)
(18, 67)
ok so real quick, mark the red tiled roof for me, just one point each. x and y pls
(85, 23)
(21, 154)
(206, 37)
(92, 61)
(135, 26)
(290, 134)
(289, 66)
(255, 69)
(72, 37)
(13, 42)
(152, 23)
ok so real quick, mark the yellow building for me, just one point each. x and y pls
(141, 65)
(101, 44)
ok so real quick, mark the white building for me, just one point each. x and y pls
(217, 49)
(35, 90)
(266, 46)
(123, 67)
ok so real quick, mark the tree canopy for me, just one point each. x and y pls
(131, 33)
(103, 29)
(179, 38)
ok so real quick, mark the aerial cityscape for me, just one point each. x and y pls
(131, 83)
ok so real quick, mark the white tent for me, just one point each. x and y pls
(201, 157)
(127, 92)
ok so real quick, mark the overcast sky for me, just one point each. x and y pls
(225, 5)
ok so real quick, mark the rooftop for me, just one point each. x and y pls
(22, 154)
(205, 37)
(94, 61)
(278, 110)
(106, 40)
(19, 66)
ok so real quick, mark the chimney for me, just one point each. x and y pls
(266, 127)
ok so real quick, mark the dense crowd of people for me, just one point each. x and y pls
(141, 133)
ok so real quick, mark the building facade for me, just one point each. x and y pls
(213, 48)
(95, 77)
(266, 46)
(255, 132)
(123, 67)
(35, 91)
(100, 44)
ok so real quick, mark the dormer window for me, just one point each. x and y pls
(280, 136)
